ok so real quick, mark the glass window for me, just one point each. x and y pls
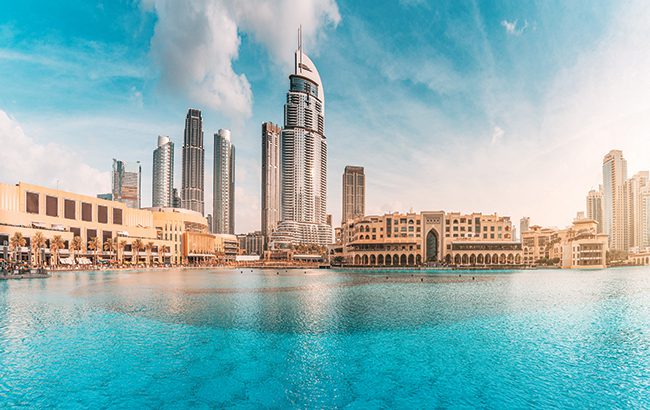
(102, 214)
(51, 206)
(31, 203)
(86, 212)
(117, 216)
(69, 209)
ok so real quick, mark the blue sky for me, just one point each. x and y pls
(492, 106)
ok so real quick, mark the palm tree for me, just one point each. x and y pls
(135, 249)
(108, 246)
(56, 244)
(76, 245)
(94, 245)
(120, 249)
(38, 243)
(149, 248)
(17, 241)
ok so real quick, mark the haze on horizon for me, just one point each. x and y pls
(504, 107)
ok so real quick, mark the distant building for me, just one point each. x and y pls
(192, 188)
(251, 243)
(524, 226)
(595, 207)
(176, 199)
(126, 183)
(636, 192)
(354, 193)
(210, 223)
(223, 183)
(108, 197)
(270, 178)
(163, 173)
(614, 200)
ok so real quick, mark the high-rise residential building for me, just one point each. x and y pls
(193, 162)
(126, 184)
(354, 193)
(614, 200)
(176, 199)
(524, 226)
(303, 168)
(223, 199)
(595, 207)
(635, 191)
(163, 173)
(270, 178)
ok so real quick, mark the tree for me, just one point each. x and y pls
(94, 245)
(17, 241)
(56, 244)
(135, 249)
(76, 245)
(120, 247)
(149, 247)
(109, 247)
(38, 243)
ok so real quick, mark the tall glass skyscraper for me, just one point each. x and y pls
(303, 170)
(270, 178)
(223, 201)
(193, 162)
(163, 173)
(126, 183)
(614, 199)
(354, 193)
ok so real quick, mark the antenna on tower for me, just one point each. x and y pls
(300, 47)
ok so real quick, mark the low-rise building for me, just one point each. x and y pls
(251, 243)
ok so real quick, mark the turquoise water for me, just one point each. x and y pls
(313, 339)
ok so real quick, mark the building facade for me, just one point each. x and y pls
(163, 173)
(223, 202)
(636, 191)
(126, 183)
(595, 207)
(251, 243)
(614, 200)
(270, 178)
(354, 193)
(192, 188)
(303, 168)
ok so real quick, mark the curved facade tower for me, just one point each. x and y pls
(303, 163)
(163, 173)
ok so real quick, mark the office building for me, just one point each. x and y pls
(354, 193)
(223, 214)
(126, 183)
(595, 207)
(192, 185)
(163, 173)
(270, 178)
(614, 200)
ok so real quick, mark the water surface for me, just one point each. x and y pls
(317, 338)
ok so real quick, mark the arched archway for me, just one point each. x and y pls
(380, 260)
(418, 260)
(402, 260)
(395, 259)
(518, 259)
(472, 259)
(357, 260)
(373, 260)
(365, 259)
(411, 260)
(488, 259)
(479, 259)
(457, 260)
(388, 261)
(448, 259)
(502, 259)
(431, 248)
(495, 259)
(511, 259)
(465, 259)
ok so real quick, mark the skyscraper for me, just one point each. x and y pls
(595, 207)
(223, 214)
(303, 168)
(270, 178)
(614, 200)
(163, 173)
(524, 226)
(635, 190)
(354, 193)
(126, 184)
(176, 199)
(193, 162)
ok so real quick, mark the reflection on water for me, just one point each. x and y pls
(214, 338)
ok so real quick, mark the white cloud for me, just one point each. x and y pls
(195, 43)
(497, 135)
(24, 159)
(511, 27)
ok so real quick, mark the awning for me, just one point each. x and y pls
(40, 225)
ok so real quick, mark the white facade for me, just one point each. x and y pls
(223, 201)
(303, 147)
(163, 173)
(614, 200)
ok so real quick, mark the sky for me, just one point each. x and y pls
(471, 106)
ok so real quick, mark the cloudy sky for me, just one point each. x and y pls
(499, 106)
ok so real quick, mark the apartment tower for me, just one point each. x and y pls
(126, 183)
(270, 178)
(163, 173)
(193, 163)
(354, 193)
(223, 200)
(614, 200)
